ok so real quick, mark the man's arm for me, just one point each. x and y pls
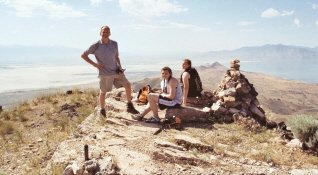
(118, 62)
(185, 81)
(87, 59)
(117, 58)
(173, 87)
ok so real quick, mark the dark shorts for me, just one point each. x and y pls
(166, 103)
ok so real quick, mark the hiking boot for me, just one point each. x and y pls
(103, 112)
(131, 109)
(138, 117)
(153, 120)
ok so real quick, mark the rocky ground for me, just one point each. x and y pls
(119, 145)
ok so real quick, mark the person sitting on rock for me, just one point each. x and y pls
(170, 97)
(191, 83)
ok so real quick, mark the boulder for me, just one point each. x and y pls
(255, 110)
(295, 143)
(218, 107)
(68, 171)
(243, 88)
(188, 114)
(229, 101)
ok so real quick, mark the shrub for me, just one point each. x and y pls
(5, 128)
(305, 128)
(5, 115)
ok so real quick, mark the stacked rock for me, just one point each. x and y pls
(235, 96)
(235, 65)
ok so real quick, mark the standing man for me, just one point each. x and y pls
(109, 67)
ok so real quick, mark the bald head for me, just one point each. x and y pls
(105, 31)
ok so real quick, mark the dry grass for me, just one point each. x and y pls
(5, 128)
(36, 127)
(22, 128)
(57, 169)
(256, 145)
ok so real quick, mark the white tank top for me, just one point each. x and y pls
(178, 97)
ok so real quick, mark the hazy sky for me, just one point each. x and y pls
(160, 26)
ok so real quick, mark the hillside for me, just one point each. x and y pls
(124, 146)
(45, 135)
(280, 98)
(119, 145)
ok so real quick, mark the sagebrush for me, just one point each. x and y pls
(305, 128)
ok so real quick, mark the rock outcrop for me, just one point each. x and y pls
(236, 97)
(234, 100)
(189, 114)
(119, 145)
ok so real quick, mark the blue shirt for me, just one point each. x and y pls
(105, 54)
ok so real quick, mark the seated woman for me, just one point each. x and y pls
(170, 97)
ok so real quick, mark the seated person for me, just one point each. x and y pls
(191, 83)
(170, 97)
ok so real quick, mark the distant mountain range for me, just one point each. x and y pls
(267, 52)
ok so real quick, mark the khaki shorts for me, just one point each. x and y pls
(106, 82)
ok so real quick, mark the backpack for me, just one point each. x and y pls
(142, 94)
(195, 83)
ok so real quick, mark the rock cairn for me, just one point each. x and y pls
(236, 97)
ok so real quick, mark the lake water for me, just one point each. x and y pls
(17, 77)
(305, 71)
(299, 70)
(32, 77)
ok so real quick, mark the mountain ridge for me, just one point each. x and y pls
(267, 52)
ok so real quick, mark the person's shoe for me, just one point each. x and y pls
(153, 120)
(103, 112)
(131, 109)
(138, 117)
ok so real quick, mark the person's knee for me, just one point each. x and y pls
(151, 96)
(102, 93)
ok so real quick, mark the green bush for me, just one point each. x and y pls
(305, 128)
